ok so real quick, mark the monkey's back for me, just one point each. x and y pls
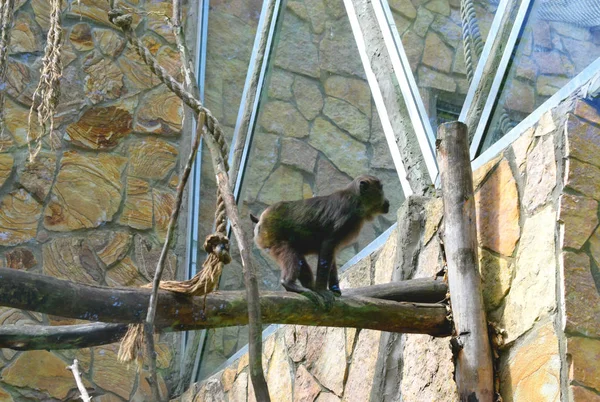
(306, 224)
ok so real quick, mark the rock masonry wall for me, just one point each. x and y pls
(94, 206)
(537, 211)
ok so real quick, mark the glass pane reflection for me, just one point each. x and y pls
(558, 41)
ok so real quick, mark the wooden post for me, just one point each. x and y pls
(473, 359)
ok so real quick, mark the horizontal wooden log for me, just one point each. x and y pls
(422, 290)
(38, 337)
(50, 295)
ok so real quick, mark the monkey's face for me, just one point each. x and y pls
(372, 197)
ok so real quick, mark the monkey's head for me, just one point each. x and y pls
(370, 192)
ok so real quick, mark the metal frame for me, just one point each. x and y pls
(196, 174)
(378, 98)
(408, 86)
(259, 87)
(499, 76)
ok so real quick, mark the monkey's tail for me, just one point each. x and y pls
(253, 218)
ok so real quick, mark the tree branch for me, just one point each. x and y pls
(38, 337)
(422, 290)
(85, 397)
(55, 337)
(175, 312)
(252, 293)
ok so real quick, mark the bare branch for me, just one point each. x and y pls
(39, 337)
(254, 308)
(422, 290)
(184, 53)
(176, 20)
(85, 397)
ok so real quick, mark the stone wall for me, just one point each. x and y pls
(580, 251)
(93, 206)
(537, 210)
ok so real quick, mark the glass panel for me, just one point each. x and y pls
(317, 128)
(432, 39)
(558, 41)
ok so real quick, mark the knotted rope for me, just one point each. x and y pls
(45, 97)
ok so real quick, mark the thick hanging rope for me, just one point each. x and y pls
(217, 244)
(204, 282)
(45, 97)
(6, 18)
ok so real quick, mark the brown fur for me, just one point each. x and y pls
(290, 230)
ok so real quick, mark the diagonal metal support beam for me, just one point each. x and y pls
(394, 106)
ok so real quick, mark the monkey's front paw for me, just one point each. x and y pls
(292, 286)
(327, 298)
(322, 299)
(335, 289)
(315, 298)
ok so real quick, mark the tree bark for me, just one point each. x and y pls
(473, 359)
(175, 312)
(423, 290)
(55, 337)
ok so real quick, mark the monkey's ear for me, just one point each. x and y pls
(364, 185)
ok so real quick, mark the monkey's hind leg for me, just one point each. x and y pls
(334, 281)
(293, 268)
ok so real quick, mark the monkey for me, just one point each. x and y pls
(323, 225)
